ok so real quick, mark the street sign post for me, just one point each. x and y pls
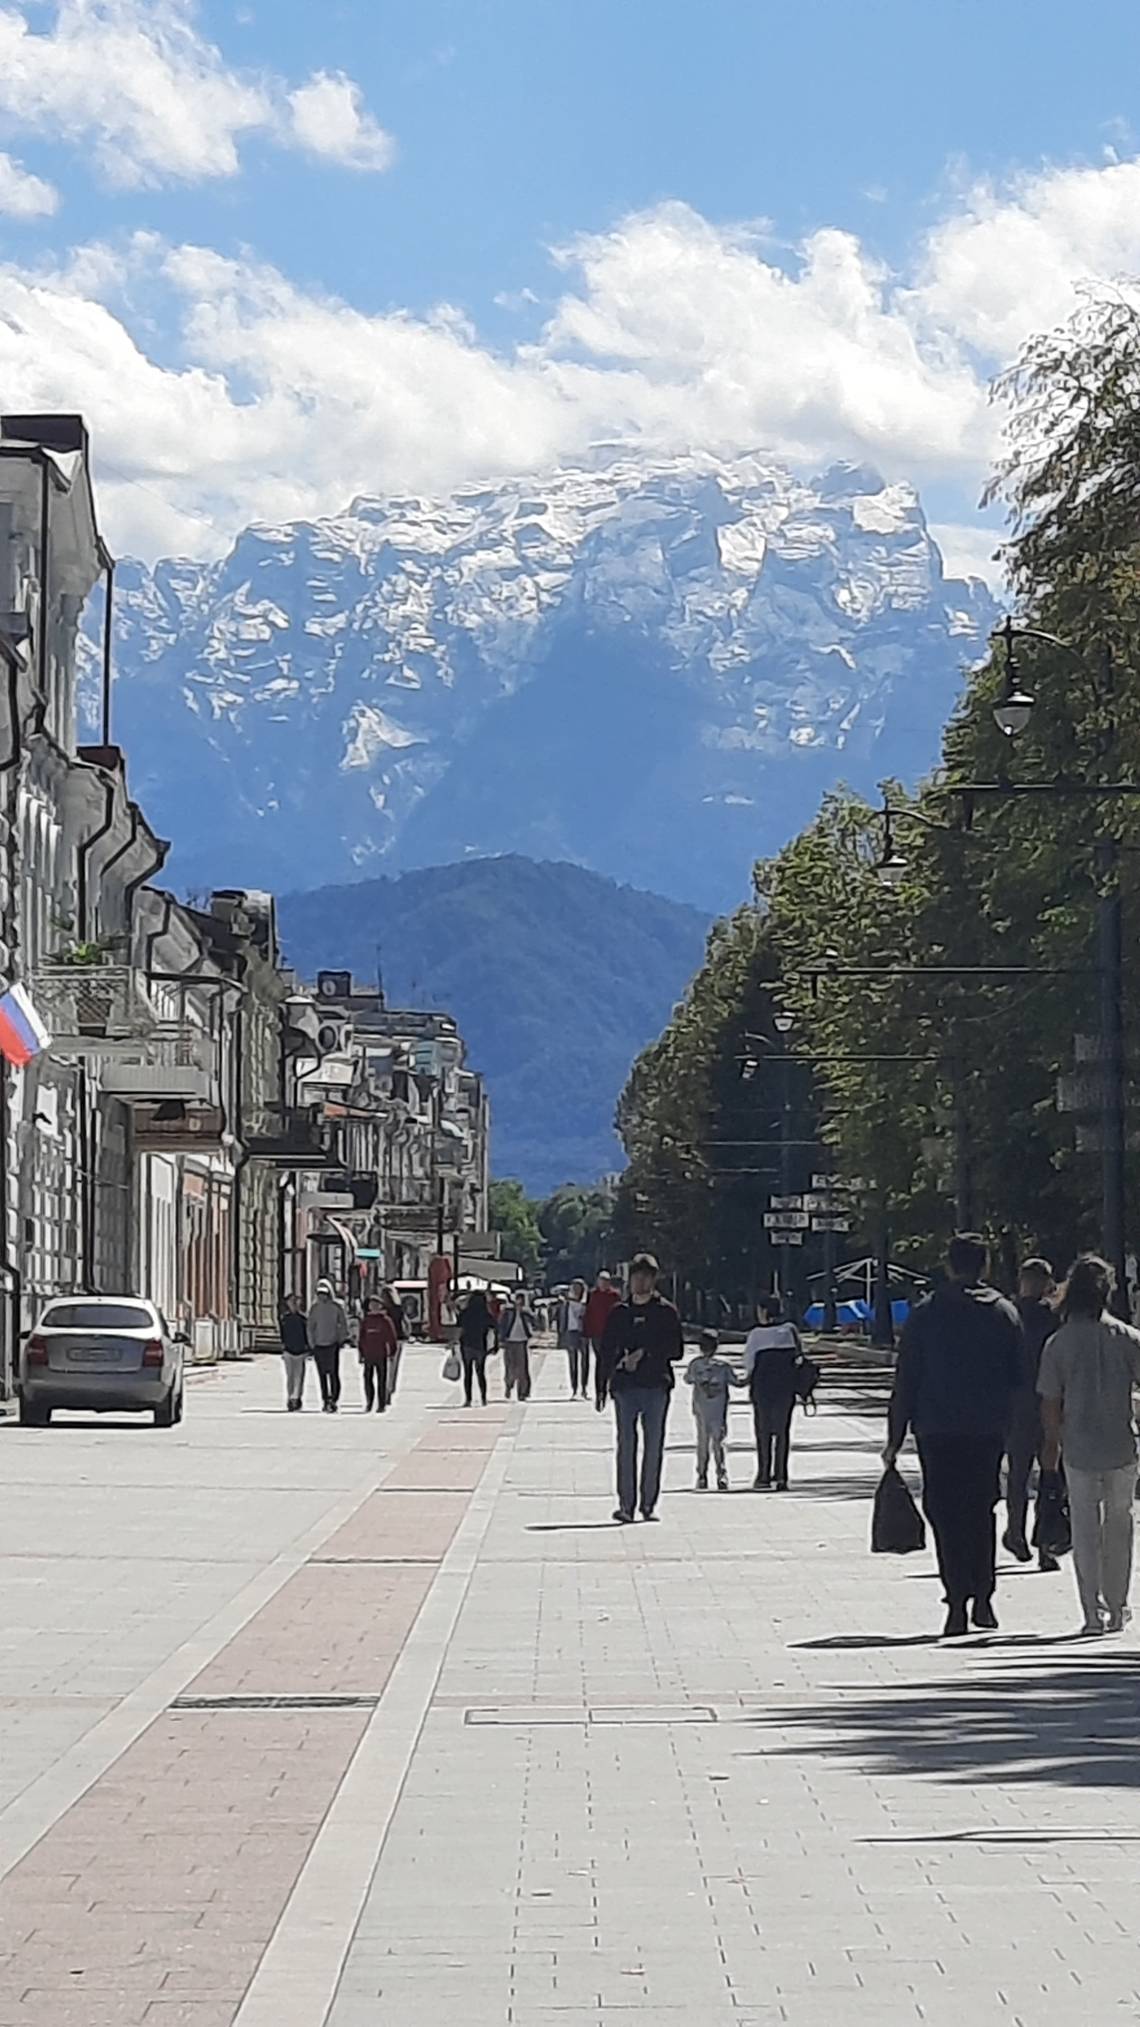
(786, 1238)
(830, 1223)
(787, 1221)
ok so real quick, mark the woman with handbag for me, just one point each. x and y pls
(476, 1339)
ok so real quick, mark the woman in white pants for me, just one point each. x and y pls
(1088, 1370)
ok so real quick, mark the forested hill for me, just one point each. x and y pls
(558, 977)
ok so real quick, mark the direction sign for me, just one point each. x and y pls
(787, 1238)
(827, 1182)
(786, 1203)
(787, 1221)
(830, 1224)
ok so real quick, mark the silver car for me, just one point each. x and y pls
(109, 1354)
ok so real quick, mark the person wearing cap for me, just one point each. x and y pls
(328, 1330)
(641, 1344)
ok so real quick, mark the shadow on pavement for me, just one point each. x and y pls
(857, 1642)
(1073, 1722)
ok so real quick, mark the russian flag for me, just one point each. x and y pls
(22, 1032)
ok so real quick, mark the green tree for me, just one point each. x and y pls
(515, 1217)
(577, 1225)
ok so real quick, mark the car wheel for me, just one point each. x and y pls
(166, 1413)
(32, 1415)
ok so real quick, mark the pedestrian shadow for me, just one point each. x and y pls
(1073, 1723)
(855, 1643)
(574, 1527)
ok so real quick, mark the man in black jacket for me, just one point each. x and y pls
(960, 1364)
(642, 1342)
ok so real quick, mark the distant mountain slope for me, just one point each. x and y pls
(651, 666)
(558, 978)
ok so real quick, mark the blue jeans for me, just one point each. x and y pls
(645, 1409)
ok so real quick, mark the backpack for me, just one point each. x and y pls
(808, 1376)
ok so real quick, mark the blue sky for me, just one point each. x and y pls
(221, 264)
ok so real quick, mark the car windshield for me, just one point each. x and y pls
(98, 1316)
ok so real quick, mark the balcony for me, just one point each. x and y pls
(93, 1009)
(176, 1061)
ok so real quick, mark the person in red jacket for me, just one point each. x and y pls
(377, 1344)
(603, 1300)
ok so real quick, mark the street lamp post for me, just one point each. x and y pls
(1012, 715)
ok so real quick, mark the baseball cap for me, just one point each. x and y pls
(643, 1263)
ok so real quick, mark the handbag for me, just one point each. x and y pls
(897, 1526)
(807, 1379)
(452, 1366)
(1052, 1528)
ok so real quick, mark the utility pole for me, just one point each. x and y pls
(1111, 953)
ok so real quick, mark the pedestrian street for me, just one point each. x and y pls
(378, 1721)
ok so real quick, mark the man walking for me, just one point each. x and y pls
(328, 1331)
(959, 1365)
(1039, 1320)
(1088, 1370)
(642, 1342)
(603, 1299)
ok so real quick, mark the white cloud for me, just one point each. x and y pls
(330, 120)
(1004, 263)
(23, 195)
(134, 81)
(272, 401)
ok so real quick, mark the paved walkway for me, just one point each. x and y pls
(368, 1722)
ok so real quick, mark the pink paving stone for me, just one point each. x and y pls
(153, 1889)
(442, 1471)
(164, 1883)
(398, 1526)
(474, 1429)
(333, 1629)
(40, 2008)
(190, 2013)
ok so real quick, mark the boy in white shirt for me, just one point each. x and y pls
(710, 1378)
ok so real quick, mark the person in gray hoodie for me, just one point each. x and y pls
(328, 1330)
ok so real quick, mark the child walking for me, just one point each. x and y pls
(710, 1378)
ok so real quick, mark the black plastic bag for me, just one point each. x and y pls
(896, 1524)
(1052, 1529)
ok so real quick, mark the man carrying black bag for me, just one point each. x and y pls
(960, 1361)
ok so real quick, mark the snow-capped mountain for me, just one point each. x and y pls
(652, 666)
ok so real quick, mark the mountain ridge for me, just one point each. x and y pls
(557, 976)
(648, 665)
